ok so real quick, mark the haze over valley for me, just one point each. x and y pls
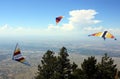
(33, 52)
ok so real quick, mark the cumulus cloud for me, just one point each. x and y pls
(78, 19)
(83, 17)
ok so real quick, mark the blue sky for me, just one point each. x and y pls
(25, 18)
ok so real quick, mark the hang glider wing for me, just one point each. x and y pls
(58, 19)
(109, 35)
(104, 35)
(99, 34)
(17, 56)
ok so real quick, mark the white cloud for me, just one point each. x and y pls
(100, 28)
(6, 30)
(67, 27)
(83, 17)
(64, 27)
(79, 22)
(114, 30)
(78, 19)
(52, 27)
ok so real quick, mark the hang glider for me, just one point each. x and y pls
(17, 56)
(58, 19)
(104, 35)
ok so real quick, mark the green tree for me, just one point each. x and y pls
(59, 67)
(119, 74)
(89, 68)
(78, 74)
(56, 67)
(107, 68)
(64, 67)
(47, 69)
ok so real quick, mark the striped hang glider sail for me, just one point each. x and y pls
(104, 35)
(17, 56)
(58, 19)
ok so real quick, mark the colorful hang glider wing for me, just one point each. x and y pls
(58, 19)
(109, 35)
(104, 35)
(99, 34)
(17, 56)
